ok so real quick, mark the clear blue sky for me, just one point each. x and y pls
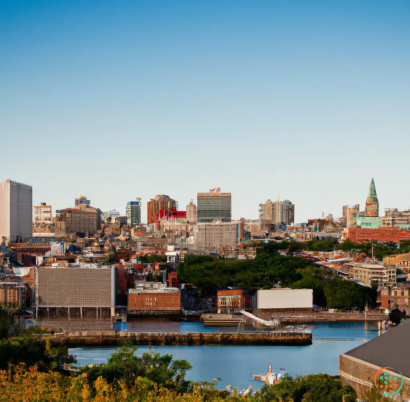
(305, 100)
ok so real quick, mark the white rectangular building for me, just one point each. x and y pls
(284, 299)
(16, 210)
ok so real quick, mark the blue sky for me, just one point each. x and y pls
(302, 100)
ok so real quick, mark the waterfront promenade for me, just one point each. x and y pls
(325, 317)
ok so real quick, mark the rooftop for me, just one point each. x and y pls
(387, 350)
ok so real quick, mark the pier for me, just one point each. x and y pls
(110, 338)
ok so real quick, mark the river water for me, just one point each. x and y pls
(235, 365)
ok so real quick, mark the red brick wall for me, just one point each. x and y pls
(382, 234)
(165, 301)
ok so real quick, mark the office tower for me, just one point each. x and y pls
(277, 212)
(133, 212)
(16, 210)
(214, 205)
(283, 212)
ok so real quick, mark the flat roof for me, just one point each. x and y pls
(214, 194)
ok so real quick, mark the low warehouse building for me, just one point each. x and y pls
(161, 301)
(283, 300)
(76, 292)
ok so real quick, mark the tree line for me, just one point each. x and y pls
(267, 269)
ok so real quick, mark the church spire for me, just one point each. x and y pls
(372, 190)
(372, 203)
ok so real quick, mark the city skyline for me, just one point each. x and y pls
(184, 97)
(182, 206)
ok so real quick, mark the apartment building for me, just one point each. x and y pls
(397, 296)
(368, 273)
(42, 213)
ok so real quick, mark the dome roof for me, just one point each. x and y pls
(287, 202)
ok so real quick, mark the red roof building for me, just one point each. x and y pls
(383, 234)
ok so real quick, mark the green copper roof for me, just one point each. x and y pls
(372, 193)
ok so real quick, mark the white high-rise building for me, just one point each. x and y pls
(16, 210)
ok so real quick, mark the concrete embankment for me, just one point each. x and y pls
(108, 338)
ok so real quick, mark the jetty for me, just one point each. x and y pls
(113, 338)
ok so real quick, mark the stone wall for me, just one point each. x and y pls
(94, 338)
(360, 375)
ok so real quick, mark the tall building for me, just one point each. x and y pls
(155, 205)
(214, 205)
(191, 212)
(16, 210)
(351, 215)
(283, 212)
(42, 213)
(81, 200)
(347, 207)
(82, 219)
(79, 221)
(372, 203)
(113, 214)
(133, 212)
(277, 212)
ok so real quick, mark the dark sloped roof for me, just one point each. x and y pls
(388, 350)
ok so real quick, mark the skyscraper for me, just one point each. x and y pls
(277, 212)
(214, 205)
(134, 212)
(191, 212)
(155, 205)
(16, 210)
(372, 203)
(283, 212)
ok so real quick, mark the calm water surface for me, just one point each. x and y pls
(235, 365)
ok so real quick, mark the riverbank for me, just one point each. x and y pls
(235, 365)
(112, 338)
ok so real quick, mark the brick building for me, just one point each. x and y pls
(162, 301)
(80, 220)
(382, 234)
(173, 280)
(231, 300)
(396, 296)
(13, 294)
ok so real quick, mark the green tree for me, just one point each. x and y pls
(125, 366)
(311, 388)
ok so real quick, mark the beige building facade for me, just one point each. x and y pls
(368, 273)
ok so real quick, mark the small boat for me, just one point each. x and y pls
(271, 378)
